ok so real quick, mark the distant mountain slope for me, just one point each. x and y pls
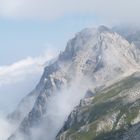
(130, 33)
(92, 60)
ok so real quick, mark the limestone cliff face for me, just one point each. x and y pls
(99, 55)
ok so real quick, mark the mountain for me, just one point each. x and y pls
(130, 33)
(92, 62)
(111, 114)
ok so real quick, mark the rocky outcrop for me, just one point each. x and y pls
(109, 114)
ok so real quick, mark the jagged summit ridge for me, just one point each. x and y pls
(80, 40)
(100, 46)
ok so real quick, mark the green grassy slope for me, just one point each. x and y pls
(110, 114)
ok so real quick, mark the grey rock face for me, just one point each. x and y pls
(99, 55)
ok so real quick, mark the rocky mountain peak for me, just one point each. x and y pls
(93, 39)
(100, 50)
(98, 54)
(80, 40)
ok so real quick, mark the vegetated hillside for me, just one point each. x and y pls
(111, 114)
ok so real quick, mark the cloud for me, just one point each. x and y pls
(15, 80)
(20, 78)
(109, 10)
(22, 69)
(6, 128)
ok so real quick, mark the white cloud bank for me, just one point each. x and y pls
(20, 78)
(16, 80)
(22, 69)
(6, 129)
(111, 10)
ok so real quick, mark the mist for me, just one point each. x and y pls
(20, 78)
(59, 107)
(6, 129)
(16, 81)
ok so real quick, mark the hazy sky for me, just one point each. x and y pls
(30, 27)
(22, 38)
